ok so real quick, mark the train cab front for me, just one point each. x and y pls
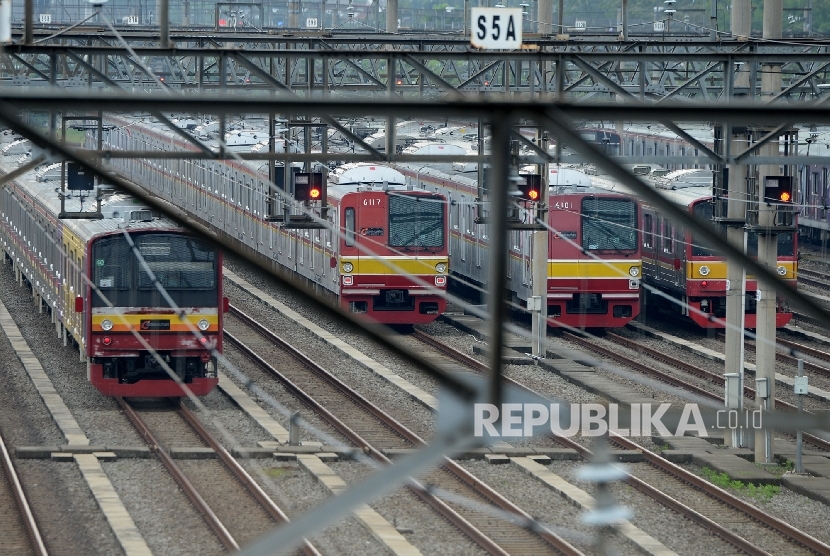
(156, 325)
(596, 266)
(394, 266)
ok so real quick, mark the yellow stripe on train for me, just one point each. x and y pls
(594, 269)
(394, 265)
(716, 270)
(154, 322)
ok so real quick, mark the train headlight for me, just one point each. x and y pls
(441, 268)
(203, 325)
(782, 271)
(704, 270)
(634, 271)
(348, 267)
(106, 324)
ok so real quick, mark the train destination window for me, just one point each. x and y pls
(350, 227)
(416, 222)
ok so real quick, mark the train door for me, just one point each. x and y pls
(463, 231)
(665, 269)
(526, 244)
(454, 230)
(649, 246)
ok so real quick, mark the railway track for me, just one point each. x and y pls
(813, 278)
(501, 537)
(720, 512)
(19, 533)
(668, 378)
(796, 351)
(238, 511)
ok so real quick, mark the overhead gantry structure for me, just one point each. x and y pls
(421, 66)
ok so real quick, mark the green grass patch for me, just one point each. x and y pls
(277, 472)
(764, 492)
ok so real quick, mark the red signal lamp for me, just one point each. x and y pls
(106, 340)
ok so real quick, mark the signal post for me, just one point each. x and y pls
(539, 264)
(766, 226)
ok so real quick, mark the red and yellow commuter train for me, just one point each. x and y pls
(594, 248)
(382, 256)
(102, 280)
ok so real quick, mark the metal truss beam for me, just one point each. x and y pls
(695, 71)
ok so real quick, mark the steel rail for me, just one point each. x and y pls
(642, 367)
(812, 278)
(22, 503)
(181, 479)
(703, 373)
(438, 505)
(662, 498)
(797, 348)
(676, 471)
(240, 474)
(792, 357)
(782, 527)
(456, 470)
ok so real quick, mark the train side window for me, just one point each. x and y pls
(668, 237)
(648, 231)
(815, 183)
(350, 227)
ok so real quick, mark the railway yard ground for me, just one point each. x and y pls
(98, 482)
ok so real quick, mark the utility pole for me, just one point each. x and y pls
(545, 17)
(391, 16)
(741, 27)
(539, 263)
(767, 241)
(735, 272)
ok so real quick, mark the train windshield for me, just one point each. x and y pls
(185, 267)
(609, 223)
(786, 246)
(416, 221)
(703, 212)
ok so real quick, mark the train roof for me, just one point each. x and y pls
(119, 210)
(684, 187)
(365, 173)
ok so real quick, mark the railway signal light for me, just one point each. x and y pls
(309, 186)
(530, 187)
(778, 189)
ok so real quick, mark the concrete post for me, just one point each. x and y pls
(735, 273)
(624, 20)
(767, 243)
(163, 10)
(741, 27)
(391, 16)
(539, 262)
(293, 14)
(545, 18)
